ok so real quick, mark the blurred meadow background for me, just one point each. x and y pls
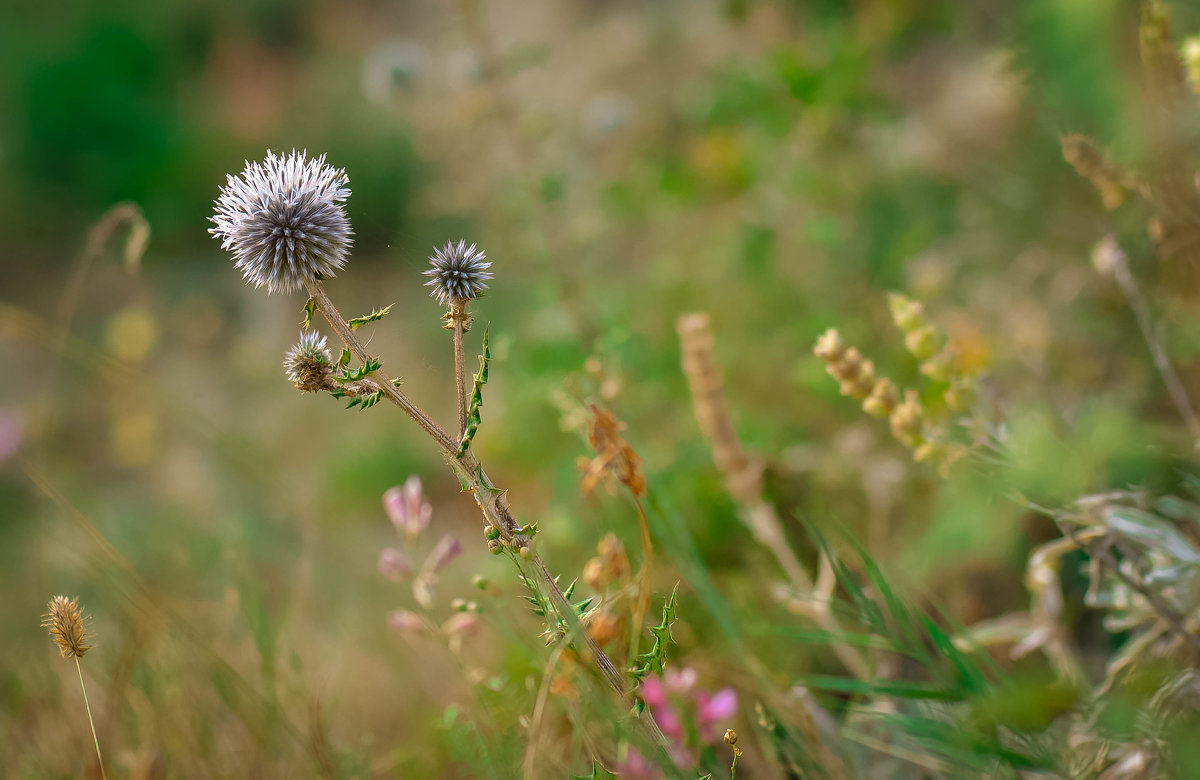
(778, 166)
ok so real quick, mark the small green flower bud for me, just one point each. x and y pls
(906, 313)
(491, 532)
(923, 342)
(458, 605)
(526, 553)
(937, 367)
(480, 582)
(495, 547)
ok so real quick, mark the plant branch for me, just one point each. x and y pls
(493, 503)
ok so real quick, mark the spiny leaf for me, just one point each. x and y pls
(365, 401)
(354, 374)
(655, 659)
(344, 360)
(375, 316)
(309, 309)
(473, 416)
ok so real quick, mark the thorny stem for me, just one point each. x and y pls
(458, 317)
(336, 321)
(87, 706)
(492, 503)
(1162, 362)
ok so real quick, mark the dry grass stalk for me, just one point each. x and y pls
(743, 477)
(64, 621)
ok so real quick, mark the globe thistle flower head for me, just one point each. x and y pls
(284, 221)
(306, 363)
(459, 272)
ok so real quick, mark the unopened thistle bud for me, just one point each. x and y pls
(309, 364)
(458, 272)
(64, 620)
(284, 222)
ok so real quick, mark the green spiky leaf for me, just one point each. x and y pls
(375, 316)
(354, 374)
(309, 309)
(344, 360)
(473, 411)
(655, 659)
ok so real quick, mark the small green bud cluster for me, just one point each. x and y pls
(913, 425)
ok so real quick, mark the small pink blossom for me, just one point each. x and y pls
(405, 623)
(680, 680)
(635, 767)
(447, 549)
(394, 565)
(722, 705)
(407, 508)
(653, 692)
(461, 624)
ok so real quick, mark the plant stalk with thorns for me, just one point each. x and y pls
(284, 222)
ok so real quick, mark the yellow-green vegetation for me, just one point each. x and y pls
(840, 364)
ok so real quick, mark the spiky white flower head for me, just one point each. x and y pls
(308, 360)
(284, 222)
(459, 272)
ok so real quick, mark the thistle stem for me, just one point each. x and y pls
(336, 321)
(492, 503)
(87, 706)
(458, 317)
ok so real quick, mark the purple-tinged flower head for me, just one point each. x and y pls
(284, 221)
(407, 508)
(307, 361)
(394, 565)
(459, 272)
(447, 549)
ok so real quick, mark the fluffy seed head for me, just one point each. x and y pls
(459, 272)
(284, 222)
(64, 620)
(308, 360)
